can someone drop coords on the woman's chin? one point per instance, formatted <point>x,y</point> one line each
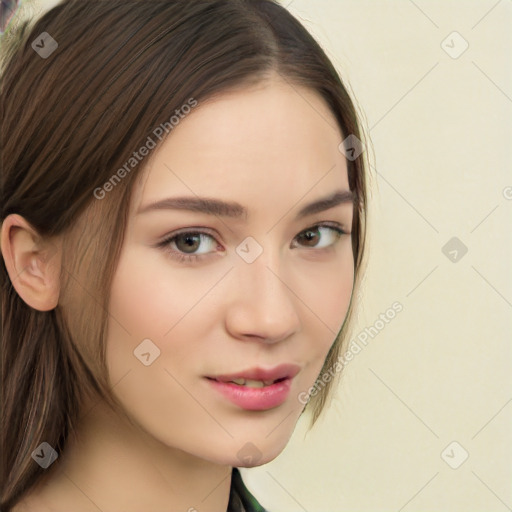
<point>252,455</point>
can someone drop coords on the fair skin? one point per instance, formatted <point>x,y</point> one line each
<point>273,149</point>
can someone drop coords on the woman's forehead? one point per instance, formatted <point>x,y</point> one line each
<point>264,138</point>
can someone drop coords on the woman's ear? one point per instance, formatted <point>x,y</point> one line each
<point>33,263</point>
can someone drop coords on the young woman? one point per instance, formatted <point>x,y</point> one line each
<point>183,211</point>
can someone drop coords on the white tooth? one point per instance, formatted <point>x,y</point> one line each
<point>254,383</point>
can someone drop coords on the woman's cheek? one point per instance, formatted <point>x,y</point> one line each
<point>144,299</point>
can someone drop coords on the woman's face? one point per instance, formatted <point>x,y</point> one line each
<point>257,290</point>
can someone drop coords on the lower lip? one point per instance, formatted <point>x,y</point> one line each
<point>254,399</point>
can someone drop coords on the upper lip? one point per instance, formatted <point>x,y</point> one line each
<point>283,371</point>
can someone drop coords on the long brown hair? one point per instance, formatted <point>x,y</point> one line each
<point>68,122</point>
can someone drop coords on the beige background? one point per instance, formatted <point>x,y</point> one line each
<point>439,372</point>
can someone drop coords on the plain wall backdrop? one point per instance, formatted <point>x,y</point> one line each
<point>423,414</point>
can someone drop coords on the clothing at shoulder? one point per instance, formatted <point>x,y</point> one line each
<point>240,499</point>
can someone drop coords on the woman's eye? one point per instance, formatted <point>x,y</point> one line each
<point>312,236</point>
<point>183,246</point>
<point>194,245</point>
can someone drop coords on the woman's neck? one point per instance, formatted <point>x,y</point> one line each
<point>111,466</point>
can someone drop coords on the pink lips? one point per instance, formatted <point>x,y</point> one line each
<point>282,371</point>
<point>257,399</point>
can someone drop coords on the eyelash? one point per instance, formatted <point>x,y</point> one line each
<point>191,258</point>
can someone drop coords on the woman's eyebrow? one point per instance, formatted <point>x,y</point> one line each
<point>233,209</point>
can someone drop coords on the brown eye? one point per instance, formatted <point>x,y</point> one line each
<point>310,237</point>
<point>187,242</point>
<point>314,236</point>
<point>187,245</point>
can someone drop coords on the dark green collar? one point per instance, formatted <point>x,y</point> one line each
<point>240,499</point>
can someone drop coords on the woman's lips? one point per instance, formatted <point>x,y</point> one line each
<point>267,375</point>
<point>254,398</point>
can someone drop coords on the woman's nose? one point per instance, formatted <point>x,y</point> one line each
<point>261,304</point>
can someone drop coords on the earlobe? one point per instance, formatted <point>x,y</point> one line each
<point>33,263</point>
